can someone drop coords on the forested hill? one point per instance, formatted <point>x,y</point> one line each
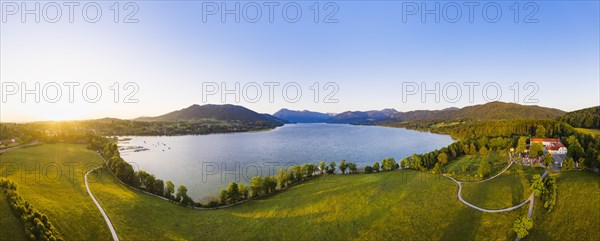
<point>214,112</point>
<point>585,118</point>
<point>489,111</point>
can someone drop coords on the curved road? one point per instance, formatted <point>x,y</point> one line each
<point>110,226</point>
<point>530,199</point>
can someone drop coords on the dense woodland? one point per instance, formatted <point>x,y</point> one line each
<point>586,147</point>
<point>586,118</point>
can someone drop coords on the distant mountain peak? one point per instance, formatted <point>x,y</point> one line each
<point>225,112</point>
<point>304,116</point>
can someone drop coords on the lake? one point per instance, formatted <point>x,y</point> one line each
<point>205,164</point>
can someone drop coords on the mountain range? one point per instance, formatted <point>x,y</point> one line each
<point>489,111</point>
<point>304,116</point>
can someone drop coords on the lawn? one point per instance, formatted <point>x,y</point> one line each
<point>11,227</point>
<point>465,168</point>
<point>50,176</point>
<point>507,190</point>
<point>577,212</point>
<point>593,132</point>
<point>404,205</point>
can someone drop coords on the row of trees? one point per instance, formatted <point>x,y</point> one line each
<point>141,179</point>
<point>545,189</point>
<point>387,164</point>
<point>37,225</point>
<point>437,159</point>
<point>235,192</point>
<point>285,177</point>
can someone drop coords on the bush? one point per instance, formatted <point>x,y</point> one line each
<point>37,225</point>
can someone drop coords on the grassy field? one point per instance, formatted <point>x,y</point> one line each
<point>10,226</point>
<point>465,168</point>
<point>577,212</point>
<point>593,132</point>
<point>404,205</point>
<point>507,190</point>
<point>50,176</point>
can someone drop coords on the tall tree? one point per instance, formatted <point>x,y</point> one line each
<point>282,177</point>
<point>568,164</point>
<point>574,149</point>
<point>233,192</point>
<point>256,186</point>
<point>376,166</point>
<point>442,158</point>
<point>536,149</point>
<point>537,185</point>
<point>182,196</point>
<point>548,160</point>
<point>330,168</point>
<point>169,190</point>
<point>343,166</point>
<point>522,226</point>
<point>521,145</point>
<point>352,167</point>
<point>540,131</point>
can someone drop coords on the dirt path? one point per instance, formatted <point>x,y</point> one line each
<point>530,199</point>
<point>108,222</point>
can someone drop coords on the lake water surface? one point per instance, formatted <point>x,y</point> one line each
<point>205,164</point>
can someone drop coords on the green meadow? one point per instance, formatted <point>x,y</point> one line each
<point>465,167</point>
<point>576,215</point>
<point>50,176</point>
<point>509,189</point>
<point>385,206</point>
<point>405,205</point>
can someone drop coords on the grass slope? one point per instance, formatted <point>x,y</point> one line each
<point>401,205</point>
<point>10,226</point>
<point>577,212</point>
<point>465,168</point>
<point>507,190</point>
<point>50,176</point>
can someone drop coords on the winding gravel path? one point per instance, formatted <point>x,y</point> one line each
<point>530,199</point>
<point>108,222</point>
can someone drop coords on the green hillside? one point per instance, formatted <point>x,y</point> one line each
<point>215,112</point>
<point>50,177</point>
<point>490,111</point>
<point>584,118</point>
<point>406,205</point>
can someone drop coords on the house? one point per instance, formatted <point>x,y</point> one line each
<point>551,145</point>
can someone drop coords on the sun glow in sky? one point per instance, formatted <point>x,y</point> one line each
<point>365,60</point>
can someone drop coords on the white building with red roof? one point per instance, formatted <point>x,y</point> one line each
<point>552,145</point>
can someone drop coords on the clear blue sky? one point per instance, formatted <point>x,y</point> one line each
<point>369,54</point>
